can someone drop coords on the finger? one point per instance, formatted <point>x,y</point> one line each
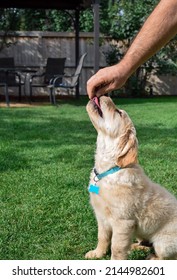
<point>93,85</point>
<point>91,91</point>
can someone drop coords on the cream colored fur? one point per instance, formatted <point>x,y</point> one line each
<point>129,203</point>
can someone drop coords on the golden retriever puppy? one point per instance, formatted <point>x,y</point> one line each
<point>125,201</point>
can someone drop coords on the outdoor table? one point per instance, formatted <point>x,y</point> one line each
<point>19,70</point>
<point>27,71</point>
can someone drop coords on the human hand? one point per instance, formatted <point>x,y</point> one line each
<point>106,80</point>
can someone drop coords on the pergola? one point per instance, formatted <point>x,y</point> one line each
<point>77,6</point>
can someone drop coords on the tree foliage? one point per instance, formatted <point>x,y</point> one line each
<point>128,16</point>
<point>8,24</point>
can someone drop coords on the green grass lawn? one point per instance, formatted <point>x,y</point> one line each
<point>46,155</point>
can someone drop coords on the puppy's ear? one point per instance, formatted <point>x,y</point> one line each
<point>128,147</point>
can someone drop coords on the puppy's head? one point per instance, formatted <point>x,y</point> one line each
<point>116,126</point>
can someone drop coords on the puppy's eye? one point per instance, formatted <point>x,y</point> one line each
<point>119,112</point>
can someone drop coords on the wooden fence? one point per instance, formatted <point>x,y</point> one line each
<point>31,49</point>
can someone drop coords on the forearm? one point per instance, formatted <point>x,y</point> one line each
<point>158,29</point>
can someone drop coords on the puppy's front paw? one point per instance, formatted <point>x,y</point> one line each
<point>138,246</point>
<point>94,254</point>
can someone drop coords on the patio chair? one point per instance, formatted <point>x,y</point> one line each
<point>54,67</point>
<point>9,76</point>
<point>69,82</point>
